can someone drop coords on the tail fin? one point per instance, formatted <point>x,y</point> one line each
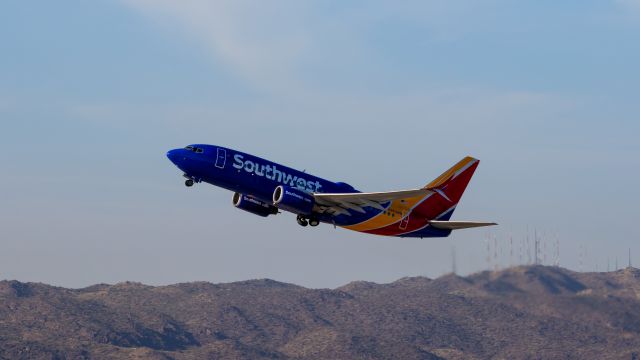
<point>449,186</point>
<point>446,176</point>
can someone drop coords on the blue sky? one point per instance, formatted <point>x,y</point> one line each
<point>383,95</point>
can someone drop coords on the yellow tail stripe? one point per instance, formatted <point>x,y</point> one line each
<point>382,220</point>
<point>449,173</point>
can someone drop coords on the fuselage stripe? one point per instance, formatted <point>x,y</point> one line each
<point>382,220</point>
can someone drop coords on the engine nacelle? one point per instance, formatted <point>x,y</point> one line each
<point>253,205</point>
<point>293,199</point>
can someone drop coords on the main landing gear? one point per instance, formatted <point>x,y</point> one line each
<point>303,221</point>
<point>188,183</point>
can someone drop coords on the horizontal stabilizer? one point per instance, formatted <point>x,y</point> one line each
<point>457,225</point>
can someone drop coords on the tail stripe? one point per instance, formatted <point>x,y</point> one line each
<point>427,224</point>
<point>382,220</point>
<point>454,171</point>
<point>406,206</point>
<point>431,206</point>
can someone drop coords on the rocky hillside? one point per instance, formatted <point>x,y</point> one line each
<point>520,313</point>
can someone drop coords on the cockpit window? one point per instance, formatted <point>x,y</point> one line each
<point>194,149</point>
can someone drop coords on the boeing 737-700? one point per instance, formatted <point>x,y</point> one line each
<point>262,187</point>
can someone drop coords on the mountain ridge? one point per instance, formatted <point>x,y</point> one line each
<point>521,312</point>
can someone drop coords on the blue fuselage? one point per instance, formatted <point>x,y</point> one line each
<point>248,174</point>
<point>257,178</point>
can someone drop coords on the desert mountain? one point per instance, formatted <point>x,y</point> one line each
<point>532,312</point>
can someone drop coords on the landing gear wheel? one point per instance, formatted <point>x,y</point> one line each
<point>188,183</point>
<point>314,222</point>
<point>302,221</point>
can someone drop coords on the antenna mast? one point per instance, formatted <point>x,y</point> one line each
<point>511,250</point>
<point>488,258</point>
<point>535,247</point>
<point>453,259</point>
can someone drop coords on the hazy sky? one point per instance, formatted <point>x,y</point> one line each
<point>383,95</point>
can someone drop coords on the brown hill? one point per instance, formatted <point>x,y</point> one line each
<point>520,313</point>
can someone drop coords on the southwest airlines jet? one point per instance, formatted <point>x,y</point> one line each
<point>262,187</point>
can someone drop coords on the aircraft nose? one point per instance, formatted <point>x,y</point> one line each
<point>173,155</point>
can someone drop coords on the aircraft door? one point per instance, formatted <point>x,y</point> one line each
<point>405,221</point>
<point>221,158</point>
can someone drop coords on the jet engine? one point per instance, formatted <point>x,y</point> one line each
<point>253,205</point>
<point>293,199</point>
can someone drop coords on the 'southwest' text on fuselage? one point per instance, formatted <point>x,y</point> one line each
<point>272,173</point>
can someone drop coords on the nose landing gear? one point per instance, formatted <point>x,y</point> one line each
<point>303,221</point>
<point>190,180</point>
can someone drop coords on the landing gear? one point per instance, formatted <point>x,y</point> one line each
<point>302,221</point>
<point>190,180</point>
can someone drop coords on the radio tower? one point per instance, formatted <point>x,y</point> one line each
<point>580,258</point>
<point>488,258</point>
<point>453,259</point>
<point>536,247</point>
<point>510,250</point>
<point>496,266</point>
<point>501,254</point>
<point>529,255</point>
<point>520,252</point>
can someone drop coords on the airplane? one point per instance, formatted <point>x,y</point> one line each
<point>264,188</point>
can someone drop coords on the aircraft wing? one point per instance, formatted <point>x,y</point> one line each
<point>457,225</point>
<point>341,203</point>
